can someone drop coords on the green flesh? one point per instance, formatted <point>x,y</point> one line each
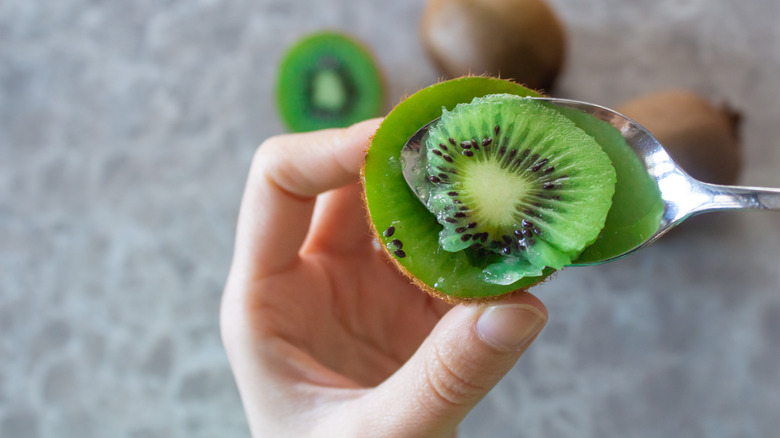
<point>462,274</point>
<point>637,207</point>
<point>329,92</point>
<point>503,164</point>
<point>328,80</point>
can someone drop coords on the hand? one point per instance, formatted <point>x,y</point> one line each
<point>324,336</point>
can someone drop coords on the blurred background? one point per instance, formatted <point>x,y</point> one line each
<point>126,132</point>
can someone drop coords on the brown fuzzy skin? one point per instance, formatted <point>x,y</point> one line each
<point>518,39</point>
<point>702,138</point>
<point>423,286</point>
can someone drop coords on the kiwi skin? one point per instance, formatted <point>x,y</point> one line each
<point>701,137</point>
<point>522,40</point>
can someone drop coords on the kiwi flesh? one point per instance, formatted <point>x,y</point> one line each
<point>522,40</point>
<point>700,136</point>
<point>637,206</point>
<point>514,178</point>
<point>328,80</point>
<point>410,233</point>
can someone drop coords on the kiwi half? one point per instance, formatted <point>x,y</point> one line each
<point>407,230</point>
<point>411,234</point>
<point>328,80</point>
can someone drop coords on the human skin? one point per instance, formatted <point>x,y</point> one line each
<point>325,337</point>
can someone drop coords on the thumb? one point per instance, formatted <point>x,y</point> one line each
<point>467,353</point>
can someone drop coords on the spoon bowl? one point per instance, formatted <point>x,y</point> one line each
<point>682,195</point>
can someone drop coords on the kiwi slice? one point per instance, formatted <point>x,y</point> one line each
<point>328,80</point>
<point>516,178</point>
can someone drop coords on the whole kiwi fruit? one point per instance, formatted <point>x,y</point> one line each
<point>521,40</point>
<point>702,137</point>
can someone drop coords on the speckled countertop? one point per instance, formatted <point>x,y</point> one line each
<point>126,131</point>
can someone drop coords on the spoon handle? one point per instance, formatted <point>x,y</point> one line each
<point>739,198</point>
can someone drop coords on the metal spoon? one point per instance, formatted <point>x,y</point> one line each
<point>682,195</point>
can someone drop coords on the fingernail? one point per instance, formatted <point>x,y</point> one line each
<point>510,326</point>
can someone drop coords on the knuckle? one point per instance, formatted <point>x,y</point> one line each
<point>229,330</point>
<point>274,163</point>
<point>266,151</point>
<point>232,320</point>
<point>271,143</point>
<point>447,383</point>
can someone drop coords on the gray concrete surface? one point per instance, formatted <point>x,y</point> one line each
<point>126,130</point>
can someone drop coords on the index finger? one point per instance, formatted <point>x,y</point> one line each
<point>287,174</point>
